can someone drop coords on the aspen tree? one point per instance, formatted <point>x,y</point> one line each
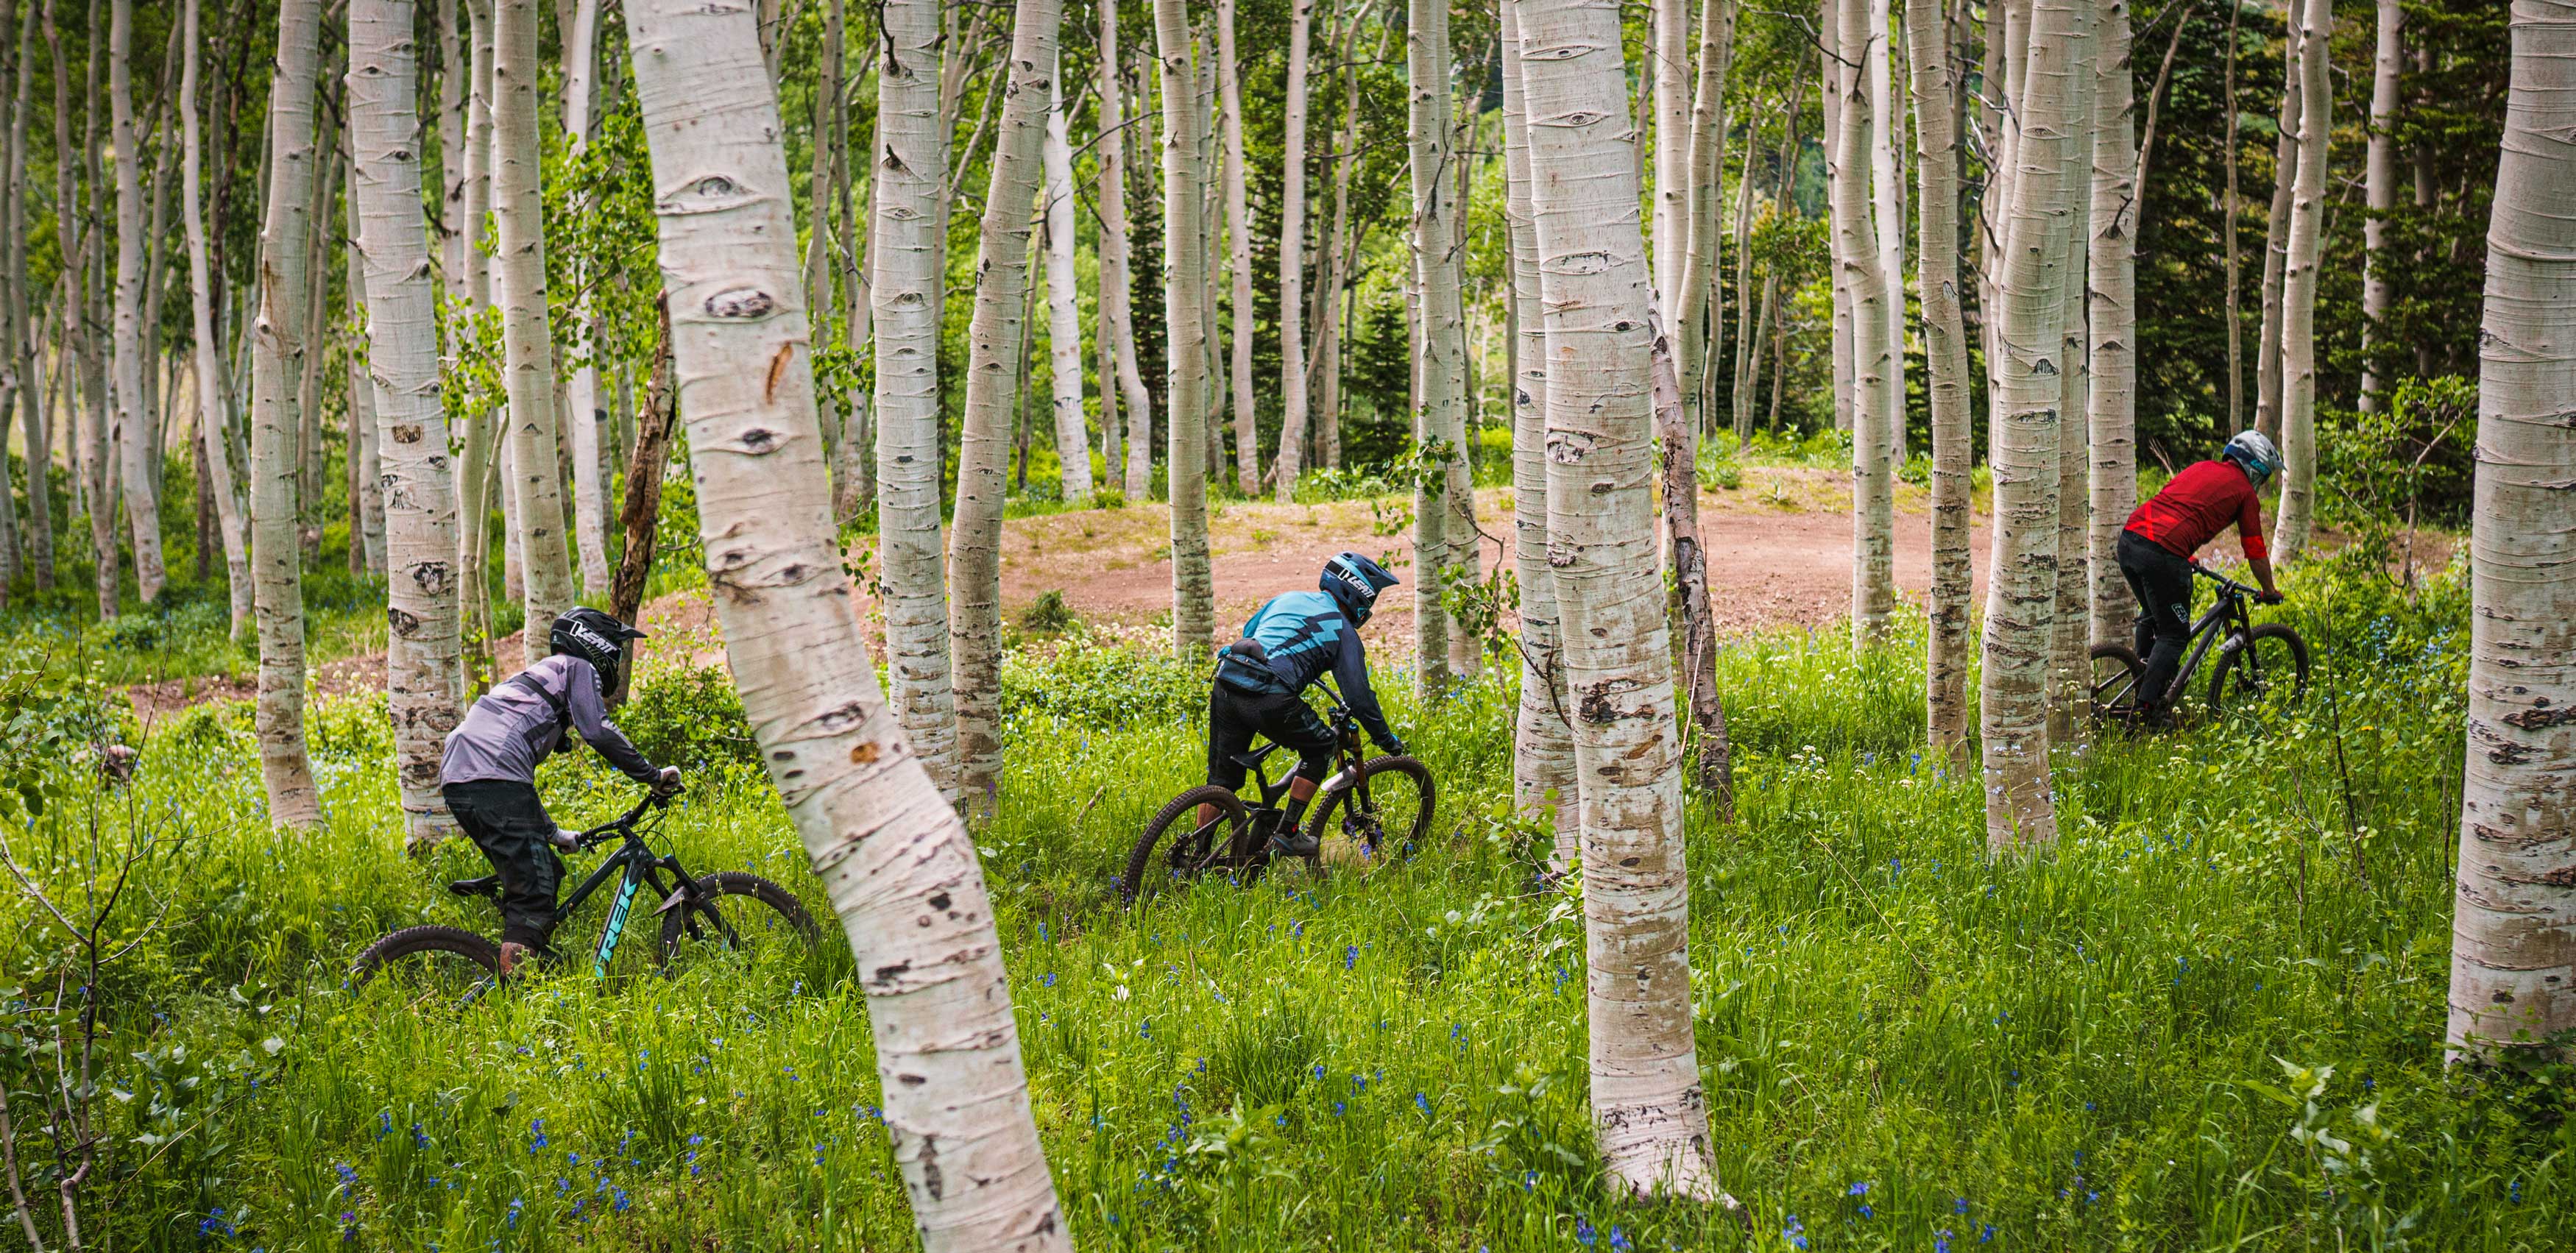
<point>203,359</point>
<point>2276,234</point>
<point>581,395</point>
<point>2379,187</point>
<point>1886,174</point>
<point>895,860</point>
<point>1668,26</point>
<point>1945,359</point>
<point>2111,295</point>
<point>528,356</point>
<point>1290,461</point>
<point>1185,291</point>
<point>2069,663</point>
<point>1440,418</point>
<point>136,448</point>
<point>1116,278</point>
<point>1238,236</point>
<point>1697,275</point>
<point>1064,312</point>
<point>2299,286</point>
<point>1857,259</point>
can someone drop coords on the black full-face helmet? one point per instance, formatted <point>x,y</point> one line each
<point>594,637</point>
<point>1353,581</point>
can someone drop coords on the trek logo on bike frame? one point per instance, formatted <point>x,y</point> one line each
<point>616,927</point>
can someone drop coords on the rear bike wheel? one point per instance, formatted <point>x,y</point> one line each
<point>426,966</point>
<point>2261,675</point>
<point>1177,848</point>
<point>1383,815</point>
<point>739,912</point>
<point>2117,678</point>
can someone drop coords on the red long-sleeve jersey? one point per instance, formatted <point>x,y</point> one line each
<point>2197,504</point>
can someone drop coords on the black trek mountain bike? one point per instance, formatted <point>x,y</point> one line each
<point>729,908</point>
<point>2260,669</point>
<point>1369,810</point>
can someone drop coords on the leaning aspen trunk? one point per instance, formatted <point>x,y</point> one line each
<point>1647,1105</point>
<point>2111,300</point>
<point>2299,287</point>
<point>136,448</point>
<point>2513,976</point>
<point>1542,743</point>
<point>2021,593</point>
<point>910,165</point>
<point>1440,419</point>
<point>2276,237</point>
<point>895,860</point>
<point>2379,184</point>
<point>1064,307</point>
<point>211,420</point>
<point>1857,260</point>
<point>423,678</point>
<point>1945,359</point>
<point>1238,237</point>
<point>581,415</point>
<point>2069,666</point>
<point>528,356</point>
<point>1185,291</point>
<point>1290,461</point>
<point>277,352</point>
<point>1713,759</point>
<point>992,394</point>
<point>1116,300</point>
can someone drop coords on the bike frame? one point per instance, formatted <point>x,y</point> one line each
<point>640,867</point>
<point>1345,751</point>
<point>2229,610</point>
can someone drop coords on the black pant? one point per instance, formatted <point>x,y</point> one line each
<point>2162,582</point>
<point>509,823</point>
<point>1234,716</point>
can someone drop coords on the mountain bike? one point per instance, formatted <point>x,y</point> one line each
<point>2260,669</point>
<point>1369,810</point>
<point>728,909</point>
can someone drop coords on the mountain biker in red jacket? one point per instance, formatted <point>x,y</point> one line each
<point>2157,546</point>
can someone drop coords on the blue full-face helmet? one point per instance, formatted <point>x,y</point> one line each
<point>1353,581</point>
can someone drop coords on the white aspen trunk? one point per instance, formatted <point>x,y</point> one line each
<point>2021,593</point>
<point>1838,79</point>
<point>854,484</point>
<point>528,357</point>
<point>1290,460</point>
<point>2513,975</point>
<point>211,420</point>
<point>2111,300</point>
<point>424,680</point>
<point>1647,1104</point>
<point>1858,260</point>
<point>1887,215</point>
<point>366,502</point>
<point>1441,348</point>
<point>474,465</point>
<point>1238,236</point>
<point>2276,235</point>
<point>2069,668</point>
<point>1116,297</point>
<point>910,166</point>
<point>19,352</point>
<point>1739,399</point>
<point>1064,307</point>
<point>2299,288</point>
<point>582,412</point>
<point>898,865</point>
<point>135,446</point>
<point>1945,360</point>
<point>2379,187</point>
<point>455,79</point>
<point>1669,26</point>
<point>277,352</point>
<point>1185,291</point>
<point>992,395</point>
<point>1542,742</point>
<point>1697,276</point>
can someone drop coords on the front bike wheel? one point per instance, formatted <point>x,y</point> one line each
<point>2117,676</point>
<point>1177,848</point>
<point>2261,675</point>
<point>1382,815</point>
<point>429,966</point>
<point>739,912</point>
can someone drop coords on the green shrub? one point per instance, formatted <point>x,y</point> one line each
<point>690,717</point>
<point>1103,685</point>
<point>1048,615</point>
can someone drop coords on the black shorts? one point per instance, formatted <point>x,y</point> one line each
<point>509,823</point>
<point>1235,716</point>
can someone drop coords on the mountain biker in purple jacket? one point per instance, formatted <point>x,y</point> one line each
<point>489,771</point>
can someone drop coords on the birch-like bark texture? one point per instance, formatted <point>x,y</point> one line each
<point>2379,186</point>
<point>581,394</point>
<point>1837,84</point>
<point>1668,24</point>
<point>423,680</point>
<point>910,165</point>
<point>2069,665</point>
<point>1116,279</point>
<point>1707,167</point>
<point>2276,235</point>
<point>1238,243</point>
<point>136,449</point>
<point>84,388</point>
<point>1945,360</point>
<point>38,537</point>
<point>1712,765</point>
<point>895,859</point>
<point>277,352</point>
<point>203,359</point>
<point>1185,292</point>
<point>2299,287</point>
<point>366,496</point>
<point>1064,306</point>
<point>527,342</point>
<point>992,395</point>
<point>1291,458</point>
<point>1886,208</point>
<point>1857,260</point>
<point>2513,973</point>
<point>1440,353</point>
<point>1647,1105</point>
<point>2021,590</point>
<point>474,464</point>
<point>1542,743</point>
<point>2111,300</point>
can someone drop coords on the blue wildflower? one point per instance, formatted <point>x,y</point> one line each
<point>1583,1232</point>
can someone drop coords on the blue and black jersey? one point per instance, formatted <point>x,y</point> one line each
<point>1304,635</point>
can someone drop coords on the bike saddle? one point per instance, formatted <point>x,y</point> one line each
<point>1251,759</point>
<point>488,885</point>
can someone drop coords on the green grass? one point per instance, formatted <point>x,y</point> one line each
<point>1900,1036</point>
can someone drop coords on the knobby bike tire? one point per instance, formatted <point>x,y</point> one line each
<point>1326,821</point>
<point>731,889</point>
<point>2219,702</point>
<point>1141,870</point>
<point>393,952</point>
<point>2114,696</point>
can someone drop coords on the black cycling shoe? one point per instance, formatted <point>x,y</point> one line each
<point>1294,844</point>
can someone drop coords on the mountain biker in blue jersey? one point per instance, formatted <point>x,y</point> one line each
<point>1260,680</point>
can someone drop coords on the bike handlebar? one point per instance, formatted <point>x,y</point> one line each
<point>2224,581</point>
<point>654,798</point>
